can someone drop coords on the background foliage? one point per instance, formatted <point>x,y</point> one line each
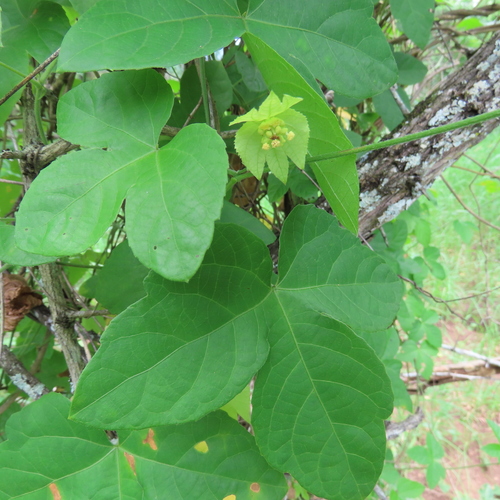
<point>157,250</point>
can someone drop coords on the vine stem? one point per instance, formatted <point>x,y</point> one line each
<point>32,75</point>
<point>200,66</point>
<point>474,120</point>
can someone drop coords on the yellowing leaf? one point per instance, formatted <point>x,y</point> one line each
<point>202,447</point>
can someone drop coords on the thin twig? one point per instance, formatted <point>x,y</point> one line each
<point>195,109</point>
<point>303,171</point>
<point>170,131</point>
<point>477,216</point>
<point>32,75</point>
<point>401,105</point>
<point>471,296</point>
<point>87,314</point>
<point>479,164</point>
<point>463,376</point>
<point>83,266</point>
<point>380,493</point>
<point>7,181</point>
<point>435,299</point>
<point>486,173</point>
<point>472,354</point>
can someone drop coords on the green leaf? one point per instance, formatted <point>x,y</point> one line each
<point>337,178</point>
<point>190,93</point>
<point>275,188</point>
<point>495,428</point>
<point>185,349</point>
<point>135,35</point>
<point>10,253</point>
<point>174,193</point>
<point>416,19</point>
<point>465,230</point>
<point>492,449</point>
<point>83,5</point>
<point>433,335</point>
<point>45,453</point>
<point>250,72</point>
<point>232,214</point>
<point>172,207</point>
<point>312,407</point>
<point>30,27</point>
<point>331,272</point>
<point>129,34</point>
<point>108,285</point>
<point>388,109</point>
<point>411,70</point>
<point>239,405</point>
<point>401,397</point>
<point>420,454</point>
<point>301,185</point>
<point>435,472</point>
<point>33,26</point>
<point>407,488</point>
<point>319,403</point>
<point>423,232</point>
<point>317,38</point>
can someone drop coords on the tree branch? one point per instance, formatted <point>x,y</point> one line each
<point>62,325</point>
<point>394,429</point>
<point>472,354</point>
<point>87,314</point>
<point>391,180</point>
<point>20,376</point>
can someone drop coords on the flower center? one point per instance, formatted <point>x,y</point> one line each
<point>274,133</point>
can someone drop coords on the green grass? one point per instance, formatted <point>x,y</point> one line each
<point>456,413</point>
<point>473,267</point>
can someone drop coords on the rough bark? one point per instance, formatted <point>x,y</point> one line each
<point>392,179</point>
<point>20,376</point>
<point>63,326</point>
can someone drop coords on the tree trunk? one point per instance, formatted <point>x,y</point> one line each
<point>392,179</point>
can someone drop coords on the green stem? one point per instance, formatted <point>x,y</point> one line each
<point>17,72</point>
<point>407,138</point>
<point>234,180</point>
<point>38,113</point>
<point>200,66</point>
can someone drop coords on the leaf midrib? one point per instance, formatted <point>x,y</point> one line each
<point>173,352</point>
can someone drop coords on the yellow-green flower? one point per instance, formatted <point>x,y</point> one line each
<point>272,134</point>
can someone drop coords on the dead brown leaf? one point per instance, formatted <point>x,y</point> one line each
<point>18,300</point>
